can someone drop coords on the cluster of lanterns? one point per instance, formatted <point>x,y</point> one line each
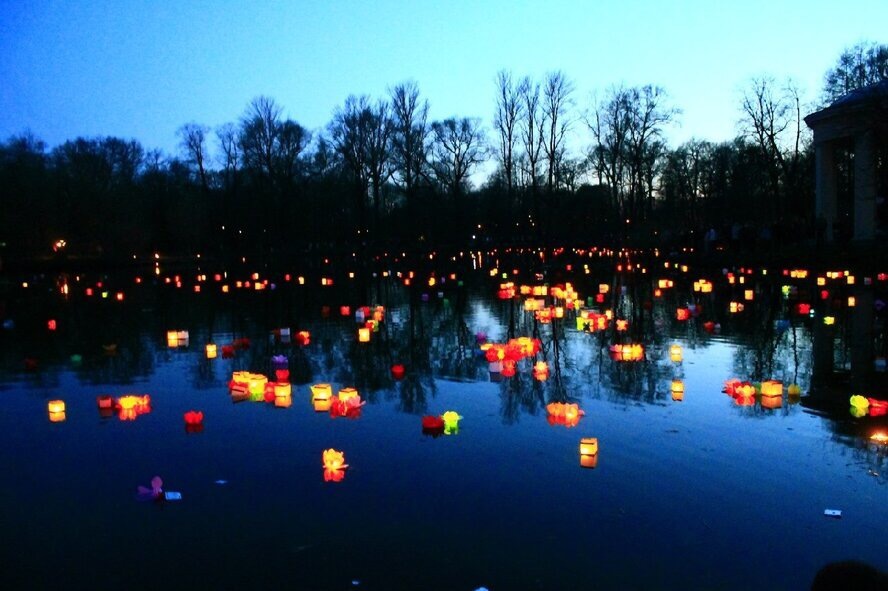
<point>370,319</point>
<point>769,391</point>
<point>503,358</point>
<point>445,424</point>
<point>862,406</point>
<point>566,414</point>
<point>630,352</point>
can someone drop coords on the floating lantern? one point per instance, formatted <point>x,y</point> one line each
<point>588,446</point>
<point>56,406</point>
<point>858,401</point>
<point>321,392</point>
<point>57,417</point>
<point>227,351</point>
<point>748,295</point>
<point>451,422</point>
<point>678,390</point>
<point>829,320</point>
<point>682,314</point>
<point>364,335</point>
<point>622,325</point>
<point>771,388</point>
<point>398,371</point>
<point>303,338</point>
<point>105,402</point>
<point>879,437</point>
<point>877,408</point>
<point>194,417</point>
<point>211,351</point>
<point>675,353</point>
<point>709,326</point>
<point>333,459</point>
<point>432,425</point>
<point>282,375</point>
<point>735,307</point>
<point>283,401</point>
<point>564,414</point>
<point>257,384</point>
<point>282,390</point>
<point>51,324</point>
<point>794,390</point>
<point>348,394</point>
<point>627,352</point>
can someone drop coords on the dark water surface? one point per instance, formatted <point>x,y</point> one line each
<point>695,494</point>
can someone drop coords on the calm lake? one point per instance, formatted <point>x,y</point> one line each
<point>692,490</point>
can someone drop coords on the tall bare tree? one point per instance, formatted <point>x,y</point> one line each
<point>260,126</point>
<point>410,130</point>
<point>531,131</point>
<point>193,140</point>
<point>556,103</point>
<point>506,120</point>
<point>458,147</point>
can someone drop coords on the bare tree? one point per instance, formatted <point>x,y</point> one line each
<point>458,147</point>
<point>556,102</point>
<point>193,140</point>
<point>861,65</point>
<point>260,126</point>
<point>361,132</point>
<point>410,131</point>
<point>506,119</point>
<point>531,136</point>
<point>230,154</point>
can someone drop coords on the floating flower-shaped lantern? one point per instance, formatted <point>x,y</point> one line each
<point>303,338</point>
<point>334,465</point>
<point>541,371</point>
<point>194,417</point>
<point>451,422</point>
<point>131,406</point>
<point>858,401</point>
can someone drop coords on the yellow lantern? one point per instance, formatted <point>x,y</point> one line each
<point>211,351</point>
<point>283,401</point>
<point>748,295</point>
<point>55,406</point>
<point>588,446</point>
<point>794,390</point>
<point>771,388</point>
<point>257,384</point>
<point>57,417</point>
<point>675,353</point>
<point>321,392</point>
<point>347,394</point>
<point>282,390</point>
<point>172,339</point>
<point>678,390</point>
<point>364,335</point>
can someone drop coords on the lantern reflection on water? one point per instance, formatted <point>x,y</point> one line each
<point>675,353</point>
<point>627,352</point>
<point>678,390</point>
<point>564,414</point>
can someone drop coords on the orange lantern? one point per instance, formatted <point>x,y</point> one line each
<point>321,392</point>
<point>588,446</point>
<point>56,406</point>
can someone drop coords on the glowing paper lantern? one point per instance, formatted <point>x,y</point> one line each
<point>283,401</point>
<point>675,353</point>
<point>322,405</point>
<point>451,422</point>
<point>348,394</point>
<point>858,401</point>
<point>772,402</point>
<point>432,425</point>
<point>794,390</point>
<point>678,390</point>
<point>588,446</point>
<point>364,335</point>
<point>398,371</point>
<point>257,384</point>
<point>211,351</point>
<point>321,392</point>
<point>772,388</point>
<point>303,338</point>
<point>194,417</point>
<point>51,324</point>
<point>877,408</point>
<point>682,314</point>
<point>105,402</point>
<point>56,406</point>
<point>282,390</point>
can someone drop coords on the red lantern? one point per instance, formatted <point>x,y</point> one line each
<point>227,351</point>
<point>682,314</point>
<point>303,338</point>
<point>398,371</point>
<point>51,324</point>
<point>194,417</point>
<point>282,375</point>
<point>105,401</point>
<point>804,309</point>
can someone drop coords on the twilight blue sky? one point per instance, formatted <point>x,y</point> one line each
<point>141,69</point>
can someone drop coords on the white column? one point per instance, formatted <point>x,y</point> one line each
<point>864,187</point>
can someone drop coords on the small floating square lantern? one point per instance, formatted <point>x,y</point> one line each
<point>678,390</point>
<point>347,394</point>
<point>211,351</point>
<point>105,401</point>
<point>55,406</point>
<point>675,353</point>
<point>772,402</point>
<point>282,390</point>
<point>772,388</point>
<point>57,417</point>
<point>398,371</point>
<point>321,392</point>
<point>590,462</point>
<point>283,401</point>
<point>682,314</point>
<point>257,384</point>
<point>588,446</point>
<point>364,335</point>
<point>172,339</point>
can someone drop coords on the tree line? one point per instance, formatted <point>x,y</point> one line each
<point>383,176</point>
